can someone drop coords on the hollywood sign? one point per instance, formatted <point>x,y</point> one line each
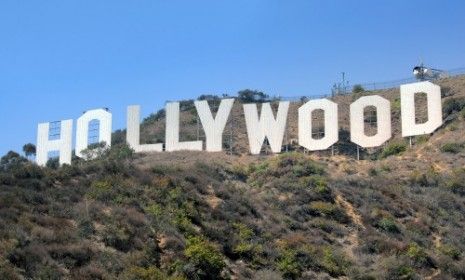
<point>259,126</point>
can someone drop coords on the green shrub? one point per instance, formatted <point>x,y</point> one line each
<point>8,271</point>
<point>86,228</point>
<point>372,172</point>
<point>155,210</point>
<point>403,271</point>
<point>289,265</point>
<point>388,224</point>
<point>288,166</point>
<point>452,148</point>
<point>72,255</point>
<point>49,272</point>
<point>386,168</point>
<point>326,209</point>
<point>328,226</point>
<point>120,152</point>
<point>334,262</point>
<point>457,182</point>
<point>205,257</point>
<point>246,247</point>
<point>241,171</point>
<point>183,222</point>
<point>452,127</point>
<point>417,254</point>
<point>377,244</point>
<point>318,183</point>
<point>299,164</point>
<point>321,186</point>
<point>396,104</point>
<point>393,149</point>
<point>462,113</point>
<point>29,171</point>
<point>452,105</point>
<point>451,251</point>
<point>398,267</point>
<point>428,178</point>
<point>117,237</point>
<point>307,168</point>
<point>421,139</point>
<point>100,190</point>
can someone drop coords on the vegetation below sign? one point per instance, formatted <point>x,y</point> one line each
<point>395,214</point>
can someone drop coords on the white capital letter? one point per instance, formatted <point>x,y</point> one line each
<point>267,126</point>
<point>133,132</point>
<point>357,121</point>
<point>214,127</point>
<point>82,132</point>
<point>407,98</point>
<point>172,131</point>
<point>305,124</point>
<point>63,145</point>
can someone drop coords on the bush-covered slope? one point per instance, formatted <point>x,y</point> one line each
<point>288,216</point>
<point>398,214</point>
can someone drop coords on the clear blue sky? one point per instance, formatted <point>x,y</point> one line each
<point>59,58</point>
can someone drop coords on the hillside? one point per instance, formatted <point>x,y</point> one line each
<point>398,213</point>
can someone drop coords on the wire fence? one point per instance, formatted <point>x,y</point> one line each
<point>342,90</point>
<point>369,86</point>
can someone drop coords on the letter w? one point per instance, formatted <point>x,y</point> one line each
<point>267,126</point>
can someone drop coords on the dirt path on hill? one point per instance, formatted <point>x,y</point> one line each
<point>352,239</point>
<point>350,210</point>
<point>437,243</point>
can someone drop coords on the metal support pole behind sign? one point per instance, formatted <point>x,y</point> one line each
<point>287,142</point>
<point>198,128</point>
<point>231,137</point>
<point>358,152</point>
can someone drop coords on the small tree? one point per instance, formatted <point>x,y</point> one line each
<point>249,96</point>
<point>358,89</point>
<point>10,160</point>
<point>29,150</point>
<point>95,150</point>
